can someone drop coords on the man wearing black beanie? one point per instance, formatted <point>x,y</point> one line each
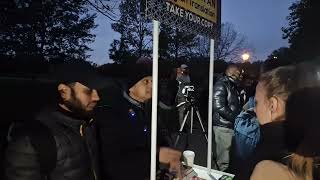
<point>125,130</point>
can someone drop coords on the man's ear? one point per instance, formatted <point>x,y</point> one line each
<point>64,91</point>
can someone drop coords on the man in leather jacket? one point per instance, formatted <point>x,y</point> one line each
<point>226,106</point>
<point>71,128</point>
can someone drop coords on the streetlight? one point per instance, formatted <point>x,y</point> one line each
<point>245,57</point>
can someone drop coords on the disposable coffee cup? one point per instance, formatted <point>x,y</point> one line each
<point>188,157</point>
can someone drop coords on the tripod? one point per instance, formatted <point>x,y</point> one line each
<point>190,110</point>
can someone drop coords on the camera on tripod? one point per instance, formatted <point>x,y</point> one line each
<point>188,92</point>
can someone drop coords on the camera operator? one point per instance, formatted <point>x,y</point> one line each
<point>183,79</point>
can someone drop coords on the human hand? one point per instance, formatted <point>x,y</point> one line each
<point>171,157</point>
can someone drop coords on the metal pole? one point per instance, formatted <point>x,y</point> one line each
<point>154,100</point>
<point>211,74</point>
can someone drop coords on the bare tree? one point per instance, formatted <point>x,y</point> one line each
<point>105,7</point>
<point>203,47</point>
<point>229,43</point>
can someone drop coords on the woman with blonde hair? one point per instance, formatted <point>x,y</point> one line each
<point>301,131</point>
<point>272,92</point>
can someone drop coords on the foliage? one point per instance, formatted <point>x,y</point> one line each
<point>175,44</point>
<point>302,31</point>
<point>135,32</point>
<point>50,29</point>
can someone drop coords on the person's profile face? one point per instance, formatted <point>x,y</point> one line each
<point>234,73</point>
<point>261,104</point>
<point>78,97</point>
<point>142,90</point>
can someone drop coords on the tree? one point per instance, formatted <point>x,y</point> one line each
<point>279,57</point>
<point>135,32</point>
<point>104,7</point>
<point>165,40</point>
<point>229,43</point>
<point>281,54</point>
<point>51,29</point>
<point>175,44</point>
<point>302,33</point>
<point>182,44</point>
<point>120,52</point>
<point>203,47</point>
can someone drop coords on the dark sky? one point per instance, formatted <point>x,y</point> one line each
<point>259,20</point>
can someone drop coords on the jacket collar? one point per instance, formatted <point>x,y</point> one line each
<point>273,132</point>
<point>70,119</point>
<point>228,80</point>
<point>132,101</point>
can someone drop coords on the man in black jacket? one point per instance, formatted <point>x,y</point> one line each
<point>226,106</point>
<point>70,127</point>
<point>124,131</point>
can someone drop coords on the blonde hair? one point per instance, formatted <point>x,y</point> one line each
<point>303,167</point>
<point>279,81</point>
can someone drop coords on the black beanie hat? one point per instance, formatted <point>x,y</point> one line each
<point>137,74</point>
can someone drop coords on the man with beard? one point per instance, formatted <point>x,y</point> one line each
<point>226,107</point>
<point>59,143</point>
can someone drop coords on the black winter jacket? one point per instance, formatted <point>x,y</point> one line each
<point>76,151</point>
<point>124,136</point>
<point>272,146</point>
<point>226,104</point>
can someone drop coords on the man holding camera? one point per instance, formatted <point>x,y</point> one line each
<point>183,79</point>
<point>226,106</point>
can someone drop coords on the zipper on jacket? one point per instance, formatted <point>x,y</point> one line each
<point>82,135</point>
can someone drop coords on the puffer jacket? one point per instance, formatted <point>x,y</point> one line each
<point>226,103</point>
<point>76,150</point>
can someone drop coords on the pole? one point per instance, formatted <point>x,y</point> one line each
<point>211,74</point>
<point>154,100</point>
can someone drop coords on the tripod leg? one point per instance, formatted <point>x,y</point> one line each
<point>184,121</point>
<point>200,121</point>
<point>205,134</point>
<point>181,128</point>
<point>191,124</point>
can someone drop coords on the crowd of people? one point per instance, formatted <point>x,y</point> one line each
<point>275,139</point>
<point>102,130</point>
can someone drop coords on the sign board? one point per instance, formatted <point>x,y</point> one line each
<point>194,16</point>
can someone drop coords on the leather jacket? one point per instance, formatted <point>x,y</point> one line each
<point>226,102</point>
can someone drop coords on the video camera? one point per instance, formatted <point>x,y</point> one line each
<point>188,92</point>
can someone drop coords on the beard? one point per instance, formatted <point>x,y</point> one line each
<point>235,80</point>
<point>77,108</point>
